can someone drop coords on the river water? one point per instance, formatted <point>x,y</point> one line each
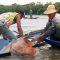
<point>46,52</point>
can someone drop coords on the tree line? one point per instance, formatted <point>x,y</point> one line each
<point>37,8</point>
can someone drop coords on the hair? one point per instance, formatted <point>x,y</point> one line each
<point>21,12</point>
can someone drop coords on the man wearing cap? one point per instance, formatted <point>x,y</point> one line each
<point>50,28</point>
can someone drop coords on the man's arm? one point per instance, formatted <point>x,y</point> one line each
<point>18,20</point>
<point>48,32</point>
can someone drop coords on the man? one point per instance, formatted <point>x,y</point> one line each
<point>50,28</point>
<point>6,19</point>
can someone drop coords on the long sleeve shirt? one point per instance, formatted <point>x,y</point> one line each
<point>50,28</point>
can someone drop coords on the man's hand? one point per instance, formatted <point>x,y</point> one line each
<point>40,37</point>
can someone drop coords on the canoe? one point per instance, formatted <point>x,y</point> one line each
<point>2,51</point>
<point>52,41</point>
<point>55,42</point>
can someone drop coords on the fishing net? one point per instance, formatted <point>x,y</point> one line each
<point>20,47</point>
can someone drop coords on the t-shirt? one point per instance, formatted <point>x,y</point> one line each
<point>8,17</point>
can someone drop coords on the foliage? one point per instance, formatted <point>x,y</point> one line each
<point>37,8</point>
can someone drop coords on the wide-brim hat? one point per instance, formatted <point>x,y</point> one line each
<point>50,9</point>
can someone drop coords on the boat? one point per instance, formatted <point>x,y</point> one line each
<point>3,43</point>
<point>50,40</point>
<point>53,41</point>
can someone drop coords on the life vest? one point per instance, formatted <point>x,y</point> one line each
<point>8,17</point>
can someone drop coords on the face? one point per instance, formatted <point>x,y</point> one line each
<point>51,16</point>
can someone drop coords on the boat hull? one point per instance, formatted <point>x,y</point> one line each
<point>52,41</point>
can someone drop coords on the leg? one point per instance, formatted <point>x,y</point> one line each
<point>6,32</point>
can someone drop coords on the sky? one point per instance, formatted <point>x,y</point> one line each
<point>22,2</point>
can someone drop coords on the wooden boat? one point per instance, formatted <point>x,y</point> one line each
<point>3,52</point>
<point>50,40</point>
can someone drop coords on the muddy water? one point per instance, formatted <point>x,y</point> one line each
<point>45,53</point>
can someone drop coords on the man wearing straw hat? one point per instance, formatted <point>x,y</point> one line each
<point>50,28</point>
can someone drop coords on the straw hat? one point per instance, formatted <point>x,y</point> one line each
<point>50,9</point>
